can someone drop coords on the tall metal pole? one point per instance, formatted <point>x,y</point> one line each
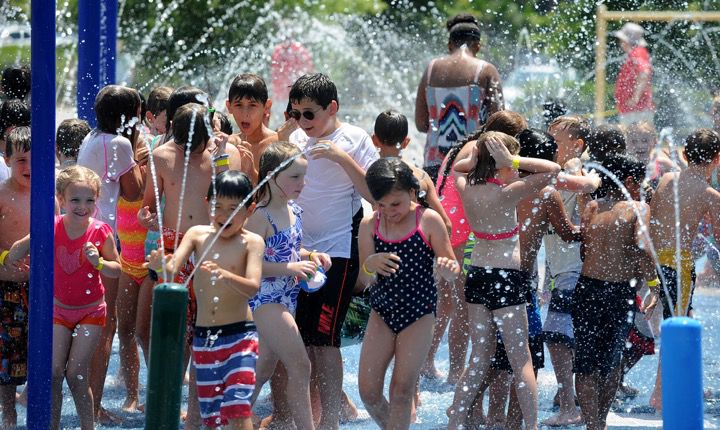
<point>88,74</point>
<point>600,56</point>
<point>42,208</point>
<point>108,41</point>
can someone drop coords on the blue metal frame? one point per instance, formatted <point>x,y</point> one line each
<point>88,71</point>
<point>108,41</point>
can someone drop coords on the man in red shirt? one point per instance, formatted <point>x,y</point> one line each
<point>633,88</point>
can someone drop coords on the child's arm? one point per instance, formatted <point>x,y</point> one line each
<point>585,184</point>
<point>543,171</point>
<point>434,228</point>
<point>249,284</point>
<point>172,263</point>
<point>560,220</point>
<point>327,149</point>
<point>366,247</point>
<point>147,215</point>
<point>433,201</point>
<point>17,251</point>
<point>422,118</point>
<point>104,260</point>
<point>319,258</point>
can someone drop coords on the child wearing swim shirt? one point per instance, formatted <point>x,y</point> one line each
<point>84,249</point>
<point>278,219</point>
<point>495,289</point>
<point>401,244</point>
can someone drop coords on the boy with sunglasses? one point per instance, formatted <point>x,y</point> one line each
<point>338,155</point>
<point>249,104</point>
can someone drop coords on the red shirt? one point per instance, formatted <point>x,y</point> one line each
<point>638,61</point>
<point>77,282</point>
<point>290,60</point>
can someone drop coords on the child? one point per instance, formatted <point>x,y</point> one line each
<point>399,243</point>
<point>248,104</point>
<point>616,259</point>
<point>108,151</point>
<point>278,220</point>
<point>13,113</point>
<point>14,224</point>
<point>156,115</point>
<point>490,189</point>
<point>225,346</point>
<point>69,137</point>
<point>15,83</point>
<point>696,198</point>
<point>335,180</point>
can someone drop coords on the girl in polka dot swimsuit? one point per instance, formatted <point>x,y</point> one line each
<point>277,219</point>
<point>397,246</point>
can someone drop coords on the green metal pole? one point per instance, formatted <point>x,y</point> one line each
<point>167,346</point>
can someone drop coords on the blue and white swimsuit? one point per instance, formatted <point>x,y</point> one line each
<point>282,247</point>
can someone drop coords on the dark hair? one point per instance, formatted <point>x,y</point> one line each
<point>158,99</point>
<point>248,85</point>
<point>16,82</point>
<point>18,140</point>
<point>182,123</point>
<point>621,166</point>
<point>388,174</point>
<point>115,106</point>
<point>504,121</point>
<point>702,146</point>
<point>537,144</point>
<point>225,125</point>
<point>605,140</point>
<point>463,28</point>
<point>270,159</point>
<point>391,127</point>
<point>13,113</point>
<point>182,96</point>
<point>232,184</point>
<point>485,167</point>
<point>316,87</point>
<point>70,135</point>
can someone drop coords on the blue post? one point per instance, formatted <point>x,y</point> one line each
<point>682,376</point>
<point>108,41</point>
<point>88,72</point>
<point>42,208</point>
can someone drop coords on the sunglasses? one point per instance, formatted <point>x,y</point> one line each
<point>307,114</point>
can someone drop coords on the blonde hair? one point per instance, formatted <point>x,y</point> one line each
<point>485,167</point>
<point>577,126</point>
<point>75,175</point>
<point>641,127</point>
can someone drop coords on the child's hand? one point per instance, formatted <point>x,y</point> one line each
<point>304,270</point>
<point>220,140</point>
<point>147,219</point>
<point>649,304</point>
<point>593,175</point>
<point>321,259</point>
<point>215,271</point>
<point>447,268</point>
<point>156,262</point>
<point>326,149</point>
<point>499,152</point>
<point>382,263</point>
<point>91,253</point>
<point>287,129</point>
<point>141,154</point>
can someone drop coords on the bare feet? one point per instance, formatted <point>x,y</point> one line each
<point>268,423</point>
<point>106,418</point>
<point>656,401</point>
<point>563,419</point>
<point>349,411</point>
<point>430,372</point>
<point>131,405</point>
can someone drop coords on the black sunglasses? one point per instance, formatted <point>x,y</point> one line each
<point>307,114</point>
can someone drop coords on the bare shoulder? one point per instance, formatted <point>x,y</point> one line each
<point>253,241</point>
<point>258,223</point>
<point>430,218</point>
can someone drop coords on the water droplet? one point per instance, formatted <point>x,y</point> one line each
<point>80,377</point>
<point>453,210</point>
<point>216,299</point>
<point>90,275</point>
<point>216,256</point>
<point>87,291</point>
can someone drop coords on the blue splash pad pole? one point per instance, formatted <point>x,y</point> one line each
<point>682,383</point>
<point>167,347</point>
<point>108,41</point>
<point>42,208</point>
<point>88,72</point>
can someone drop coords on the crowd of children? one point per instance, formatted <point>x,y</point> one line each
<point>161,188</point>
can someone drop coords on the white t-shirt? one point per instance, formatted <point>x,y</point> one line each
<point>4,170</point>
<point>561,256</point>
<point>110,156</point>
<point>329,200</point>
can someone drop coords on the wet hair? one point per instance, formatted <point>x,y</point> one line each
<point>273,156</point>
<point>248,85</point>
<point>391,127</point>
<point>485,167</point>
<point>70,135</point>
<point>504,121</point>
<point>621,166</point>
<point>74,175</point>
<point>182,96</point>
<point>316,87</point>
<point>232,184</point>
<point>537,144</point>
<point>13,113</point>
<point>16,82</point>
<point>158,100</point>
<point>577,126</point>
<point>605,140</point>
<point>182,123</point>
<point>463,28</point>
<point>390,174</point>
<point>225,125</point>
<point>115,106</point>
<point>702,146</point>
<point>18,140</point>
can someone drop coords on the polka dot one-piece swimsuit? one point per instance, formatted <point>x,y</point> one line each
<point>282,247</point>
<point>410,293</point>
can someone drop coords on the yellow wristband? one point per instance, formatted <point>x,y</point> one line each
<point>222,162</point>
<point>516,163</point>
<point>3,256</point>
<point>367,272</point>
<point>100,265</point>
<point>654,283</point>
<point>310,255</point>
